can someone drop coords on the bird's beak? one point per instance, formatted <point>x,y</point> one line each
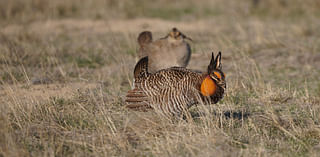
<point>185,37</point>
<point>189,39</point>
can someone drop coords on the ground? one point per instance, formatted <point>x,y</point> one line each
<point>65,68</point>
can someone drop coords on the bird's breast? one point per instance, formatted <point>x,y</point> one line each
<point>208,87</point>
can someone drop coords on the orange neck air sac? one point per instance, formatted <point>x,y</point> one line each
<point>208,87</point>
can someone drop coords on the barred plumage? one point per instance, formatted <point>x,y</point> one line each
<point>172,91</point>
<point>171,50</point>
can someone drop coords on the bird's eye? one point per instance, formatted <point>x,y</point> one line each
<point>217,74</point>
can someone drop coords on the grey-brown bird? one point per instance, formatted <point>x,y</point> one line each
<point>173,90</point>
<point>171,50</point>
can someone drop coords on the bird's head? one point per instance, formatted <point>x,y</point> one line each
<point>214,78</point>
<point>176,35</point>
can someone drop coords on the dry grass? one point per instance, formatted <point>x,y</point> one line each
<point>65,67</point>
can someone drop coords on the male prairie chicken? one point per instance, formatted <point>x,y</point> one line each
<point>171,50</point>
<point>172,91</point>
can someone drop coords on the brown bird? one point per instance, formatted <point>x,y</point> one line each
<point>173,90</point>
<point>171,50</point>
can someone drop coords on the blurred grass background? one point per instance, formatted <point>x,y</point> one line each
<point>65,67</point>
<point>30,10</point>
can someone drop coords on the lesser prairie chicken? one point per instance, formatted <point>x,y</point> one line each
<point>171,50</point>
<point>172,91</point>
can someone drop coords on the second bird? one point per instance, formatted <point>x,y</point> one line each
<point>171,50</point>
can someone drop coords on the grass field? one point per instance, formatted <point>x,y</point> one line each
<point>65,67</point>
